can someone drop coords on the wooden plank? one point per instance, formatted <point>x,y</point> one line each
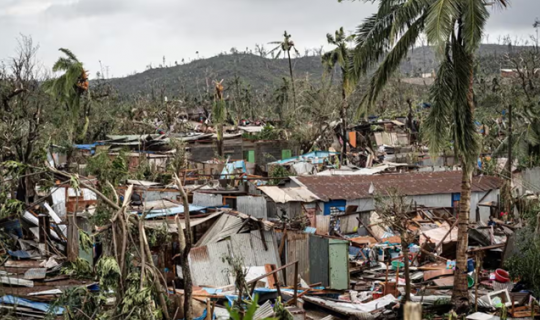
<point>437,273</point>
<point>270,279</point>
<point>495,246</point>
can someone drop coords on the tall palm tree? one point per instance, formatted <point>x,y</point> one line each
<point>219,115</point>
<point>70,87</point>
<point>285,47</point>
<point>341,56</point>
<point>455,28</point>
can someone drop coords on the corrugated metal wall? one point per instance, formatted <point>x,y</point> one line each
<point>159,195</point>
<point>363,204</point>
<point>432,200</point>
<point>318,260</point>
<point>297,249</point>
<point>207,266</point>
<point>254,206</point>
<point>207,263</point>
<point>207,199</point>
<point>530,180</point>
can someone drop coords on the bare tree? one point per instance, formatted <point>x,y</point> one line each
<point>21,112</point>
<point>398,215</point>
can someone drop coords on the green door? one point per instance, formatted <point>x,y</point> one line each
<point>286,154</point>
<point>249,156</point>
<point>339,264</point>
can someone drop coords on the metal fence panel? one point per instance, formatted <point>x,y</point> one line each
<point>254,206</point>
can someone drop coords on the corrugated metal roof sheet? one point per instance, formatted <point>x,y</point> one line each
<point>425,183</point>
<point>283,195</point>
<point>171,226</point>
<point>172,211</point>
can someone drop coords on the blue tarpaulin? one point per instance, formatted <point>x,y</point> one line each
<point>19,254</point>
<point>172,211</point>
<point>231,168</point>
<point>41,306</point>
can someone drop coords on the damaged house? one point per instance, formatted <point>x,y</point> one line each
<point>433,189</point>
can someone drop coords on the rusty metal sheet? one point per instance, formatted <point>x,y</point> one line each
<point>297,249</point>
<point>412,183</point>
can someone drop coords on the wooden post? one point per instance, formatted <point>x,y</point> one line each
<point>412,311</point>
<point>295,297</point>
<point>208,310</point>
<point>276,280</point>
<point>478,266</point>
<point>44,232</point>
<point>72,238</point>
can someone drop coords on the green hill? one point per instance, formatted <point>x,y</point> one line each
<point>263,73</point>
<point>194,77</point>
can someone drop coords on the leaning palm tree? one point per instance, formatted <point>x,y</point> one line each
<point>455,29</point>
<point>70,87</point>
<point>285,47</point>
<point>341,56</point>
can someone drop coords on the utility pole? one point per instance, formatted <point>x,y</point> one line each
<point>509,163</point>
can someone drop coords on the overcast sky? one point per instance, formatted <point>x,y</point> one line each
<point>127,35</point>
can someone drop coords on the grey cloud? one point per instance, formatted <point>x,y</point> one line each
<point>88,8</point>
<point>129,34</point>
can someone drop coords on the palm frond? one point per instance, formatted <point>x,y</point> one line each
<point>61,64</point>
<point>440,21</point>
<point>391,63</point>
<point>378,32</point>
<point>409,11</point>
<point>475,16</point>
<point>69,54</point>
<point>371,42</point>
<point>436,129</point>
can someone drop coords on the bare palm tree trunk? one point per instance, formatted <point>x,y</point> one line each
<point>292,79</point>
<point>344,125</point>
<point>460,295</point>
<point>185,247</point>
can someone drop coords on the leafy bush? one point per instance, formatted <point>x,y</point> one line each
<point>526,264</point>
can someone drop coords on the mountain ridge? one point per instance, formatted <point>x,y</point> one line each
<point>264,74</point>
